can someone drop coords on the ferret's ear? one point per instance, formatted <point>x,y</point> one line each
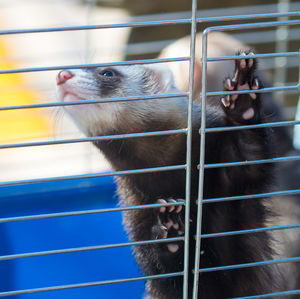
<point>159,79</point>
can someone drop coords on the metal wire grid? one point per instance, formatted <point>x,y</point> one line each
<point>202,165</point>
<point>203,131</point>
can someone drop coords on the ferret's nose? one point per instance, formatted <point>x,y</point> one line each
<point>63,76</point>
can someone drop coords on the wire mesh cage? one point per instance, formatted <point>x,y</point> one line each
<point>54,204</point>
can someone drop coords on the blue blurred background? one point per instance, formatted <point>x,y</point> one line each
<point>65,232</point>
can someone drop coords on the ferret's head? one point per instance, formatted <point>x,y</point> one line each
<point>114,82</point>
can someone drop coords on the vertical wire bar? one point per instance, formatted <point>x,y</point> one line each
<point>297,116</point>
<point>189,150</point>
<point>201,165</point>
<point>91,5</point>
<point>281,46</point>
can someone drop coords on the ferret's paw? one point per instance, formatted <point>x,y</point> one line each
<point>242,107</point>
<point>170,223</point>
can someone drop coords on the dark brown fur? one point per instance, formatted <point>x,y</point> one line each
<point>240,145</point>
<point>218,217</point>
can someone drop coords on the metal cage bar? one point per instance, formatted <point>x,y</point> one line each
<point>88,284</point>
<point>82,102</point>
<point>87,248</point>
<point>94,175</point>
<point>139,243</point>
<point>94,139</point>
<point>89,65</point>
<point>88,212</point>
<point>151,23</point>
<point>249,265</point>
<point>189,151</point>
<point>271,295</point>
<point>202,166</point>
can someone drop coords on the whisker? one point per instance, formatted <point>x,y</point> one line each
<point>57,117</point>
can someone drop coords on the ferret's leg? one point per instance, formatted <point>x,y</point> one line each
<point>169,223</point>
<point>242,145</point>
<point>247,144</point>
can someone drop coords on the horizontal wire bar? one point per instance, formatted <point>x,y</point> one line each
<point>249,231</point>
<point>250,16</point>
<point>95,175</point>
<point>148,23</point>
<point>92,65</point>
<point>93,139</point>
<point>249,265</point>
<point>96,101</point>
<point>267,55</point>
<point>93,27</point>
<point>88,248</point>
<point>262,90</point>
<point>252,25</point>
<point>89,212</point>
<point>148,206</point>
<point>249,127</point>
<point>267,9</point>
<point>257,195</point>
<point>251,162</point>
<point>146,97</point>
<point>265,36</point>
<point>88,284</point>
<point>271,295</point>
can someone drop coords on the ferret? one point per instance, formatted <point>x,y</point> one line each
<point>169,186</point>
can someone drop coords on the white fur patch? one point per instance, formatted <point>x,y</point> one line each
<point>100,118</point>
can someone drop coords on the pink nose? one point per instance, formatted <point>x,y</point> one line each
<point>63,76</point>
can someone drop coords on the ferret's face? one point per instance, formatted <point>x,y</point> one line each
<point>112,82</point>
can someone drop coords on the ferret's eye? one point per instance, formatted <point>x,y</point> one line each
<point>107,73</point>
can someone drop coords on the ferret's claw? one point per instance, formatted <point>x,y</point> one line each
<point>159,232</point>
<point>170,222</point>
